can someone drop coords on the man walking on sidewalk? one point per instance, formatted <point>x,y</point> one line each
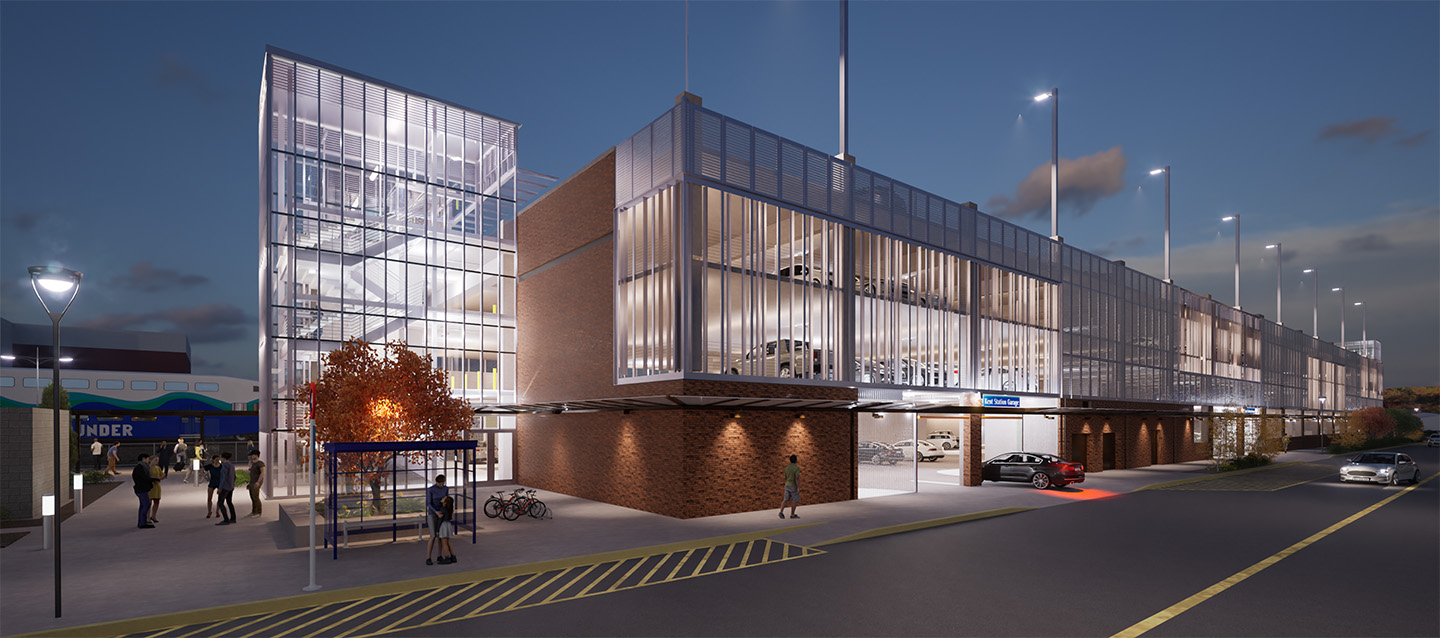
<point>792,487</point>
<point>97,450</point>
<point>143,483</point>
<point>227,490</point>
<point>257,478</point>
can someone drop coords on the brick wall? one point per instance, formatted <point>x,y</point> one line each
<point>27,459</point>
<point>1174,436</point>
<point>688,463</point>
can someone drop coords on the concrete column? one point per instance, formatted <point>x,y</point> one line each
<point>971,447</point>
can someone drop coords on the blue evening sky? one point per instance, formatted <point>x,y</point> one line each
<point>129,131</point>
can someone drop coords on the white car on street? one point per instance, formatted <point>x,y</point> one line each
<point>925,450</point>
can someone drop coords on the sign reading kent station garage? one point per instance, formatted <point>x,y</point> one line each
<point>999,401</point>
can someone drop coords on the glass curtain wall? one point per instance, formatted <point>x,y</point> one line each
<point>390,217</point>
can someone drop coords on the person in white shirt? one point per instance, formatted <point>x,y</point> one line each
<point>97,450</point>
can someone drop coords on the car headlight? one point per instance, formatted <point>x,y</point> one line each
<point>1385,470</point>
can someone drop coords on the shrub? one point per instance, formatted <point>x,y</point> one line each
<point>1369,445</point>
<point>1246,462</point>
<point>242,477</point>
<point>96,476</point>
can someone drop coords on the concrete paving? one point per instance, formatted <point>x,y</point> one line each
<point>114,571</point>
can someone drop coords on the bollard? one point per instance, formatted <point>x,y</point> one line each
<point>79,492</point>
<point>47,510</point>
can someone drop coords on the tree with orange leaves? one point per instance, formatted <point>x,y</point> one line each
<point>363,396</point>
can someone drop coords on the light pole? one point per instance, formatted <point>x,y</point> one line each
<point>1279,315</point>
<point>1364,334</point>
<point>1342,314</point>
<point>37,360</point>
<point>1236,219</point>
<point>54,285</point>
<point>1054,96</point>
<point>1166,171</point>
<point>1315,316</point>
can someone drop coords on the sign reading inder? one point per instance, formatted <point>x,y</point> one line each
<point>999,401</point>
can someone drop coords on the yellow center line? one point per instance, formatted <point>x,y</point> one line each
<point>703,560</point>
<point>572,582</point>
<point>677,565</point>
<point>600,578</point>
<point>320,618</point>
<point>1181,607</point>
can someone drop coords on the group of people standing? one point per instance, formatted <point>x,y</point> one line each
<point>217,471</point>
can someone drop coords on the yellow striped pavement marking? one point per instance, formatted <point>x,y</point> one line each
<point>677,565</point>
<point>562,588</point>
<point>700,565</point>
<point>324,616</point>
<point>595,582</point>
<point>1181,607</point>
<point>423,609</point>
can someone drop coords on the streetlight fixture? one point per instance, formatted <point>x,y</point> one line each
<point>1315,286</point>
<point>1166,171</point>
<point>1236,219</point>
<point>1054,96</point>
<point>56,287</point>
<point>37,360</point>
<point>1342,314</point>
<point>1279,315</point>
<point>1364,334</point>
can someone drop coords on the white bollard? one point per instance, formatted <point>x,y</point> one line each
<point>79,492</point>
<point>47,510</point>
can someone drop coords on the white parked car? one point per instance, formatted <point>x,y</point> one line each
<point>1433,441</point>
<point>925,450</point>
<point>945,440</point>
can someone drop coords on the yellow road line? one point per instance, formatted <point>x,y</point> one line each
<point>1211,477</point>
<point>677,565</point>
<point>572,582</point>
<point>481,609</point>
<point>1181,607</point>
<point>703,560</point>
<point>265,617</point>
<point>270,628</point>
<point>597,580</point>
<point>743,561</point>
<point>487,590</point>
<point>202,628</point>
<point>656,568</point>
<point>726,558</point>
<point>318,619</point>
<point>638,563</point>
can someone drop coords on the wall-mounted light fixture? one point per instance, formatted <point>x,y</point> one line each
<point>802,416</point>
<point>735,416</point>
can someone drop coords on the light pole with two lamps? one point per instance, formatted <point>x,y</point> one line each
<point>55,286</point>
<point>1342,314</point>
<point>37,360</point>
<point>1279,317</point>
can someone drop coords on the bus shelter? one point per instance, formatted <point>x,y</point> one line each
<point>380,485</point>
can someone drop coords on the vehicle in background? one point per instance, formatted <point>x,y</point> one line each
<point>922,450</point>
<point>877,453</point>
<point>782,358</point>
<point>1036,468</point>
<point>1380,467</point>
<point>945,439</point>
<point>1433,441</point>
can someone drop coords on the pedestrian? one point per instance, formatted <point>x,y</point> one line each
<point>97,450</point>
<point>253,449</point>
<point>227,489</point>
<point>158,474</point>
<point>180,453</point>
<point>167,456</point>
<point>257,478</point>
<point>213,475</point>
<point>447,530</point>
<point>112,458</point>
<point>435,496</point>
<point>792,487</point>
<point>199,452</point>
<point>141,476</point>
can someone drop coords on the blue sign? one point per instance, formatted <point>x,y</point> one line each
<point>999,401</point>
<point>1252,410</point>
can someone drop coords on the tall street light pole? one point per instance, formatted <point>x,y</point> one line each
<point>1342,314</point>
<point>1236,219</point>
<point>1315,289</point>
<point>1054,96</point>
<point>1279,310</point>
<point>54,285</point>
<point>1364,334</point>
<point>37,360</point>
<point>1166,171</point>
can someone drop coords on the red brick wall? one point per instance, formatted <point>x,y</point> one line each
<point>688,463</point>
<point>1132,435</point>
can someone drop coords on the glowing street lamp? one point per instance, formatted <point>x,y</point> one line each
<point>37,360</point>
<point>56,287</point>
<point>1364,334</point>
<point>1166,171</point>
<point>1342,313</point>
<point>1236,219</point>
<point>1315,289</point>
<point>1054,96</point>
<point>1279,316</point>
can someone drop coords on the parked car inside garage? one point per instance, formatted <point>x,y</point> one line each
<point>946,440</point>
<point>1038,469</point>
<point>922,449</point>
<point>877,453</point>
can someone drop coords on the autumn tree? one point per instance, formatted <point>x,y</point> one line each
<point>1374,421</point>
<point>1349,432</point>
<point>400,396</point>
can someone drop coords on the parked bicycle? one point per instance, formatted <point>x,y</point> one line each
<point>520,501</point>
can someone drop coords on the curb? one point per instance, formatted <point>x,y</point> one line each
<point>934,522</point>
<point>1211,477</point>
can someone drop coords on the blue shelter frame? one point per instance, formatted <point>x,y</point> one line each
<point>452,465</point>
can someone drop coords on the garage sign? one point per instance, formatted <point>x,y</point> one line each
<point>999,401</point>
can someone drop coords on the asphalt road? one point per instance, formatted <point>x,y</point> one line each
<point>1089,568</point>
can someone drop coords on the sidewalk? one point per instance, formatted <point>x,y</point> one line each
<point>114,571</point>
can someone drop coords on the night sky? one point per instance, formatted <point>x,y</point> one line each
<point>130,130</point>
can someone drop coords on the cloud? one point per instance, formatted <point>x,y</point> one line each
<point>1110,248</point>
<point>173,73</point>
<point>25,220</point>
<point>1083,182</point>
<point>208,323</point>
<point>1369,129</point>
<point>147,278</point>
<point>1369,242</point>
<point>1411,141</point>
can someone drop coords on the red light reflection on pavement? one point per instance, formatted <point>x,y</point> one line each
<point>1078,494</point>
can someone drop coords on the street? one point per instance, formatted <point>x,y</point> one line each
<point>1089,568</point>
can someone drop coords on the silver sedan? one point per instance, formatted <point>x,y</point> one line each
<point>1380,467</point>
